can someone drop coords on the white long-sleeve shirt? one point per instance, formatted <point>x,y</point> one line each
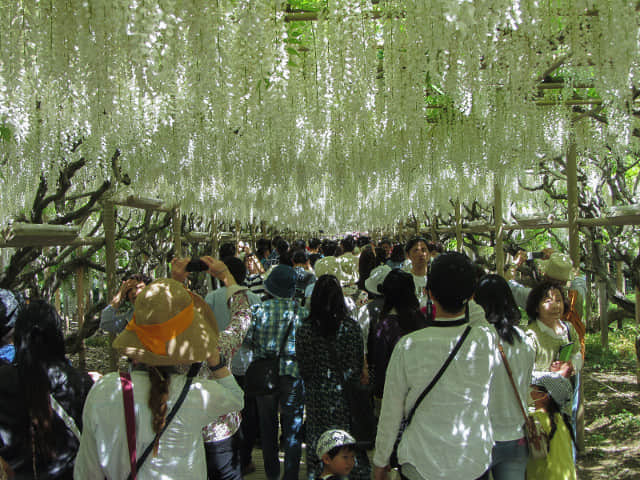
<point>506,416</point>
<point>450,435</point>
<point>103,448</point>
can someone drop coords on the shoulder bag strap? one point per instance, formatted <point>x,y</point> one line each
<point>195,368</point>
<point>130,420</point>
<point>66,418</point>
<point>513,383</point>
<point>284,339</point>
<point>435,379</point>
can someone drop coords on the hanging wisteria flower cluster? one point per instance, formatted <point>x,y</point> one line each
<point>352,118</point>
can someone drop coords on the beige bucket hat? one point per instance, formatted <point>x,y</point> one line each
<point>170,326</point>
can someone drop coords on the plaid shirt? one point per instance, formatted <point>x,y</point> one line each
<point>270,320</point>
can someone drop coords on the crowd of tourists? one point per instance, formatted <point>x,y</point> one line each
<point>359,356</point>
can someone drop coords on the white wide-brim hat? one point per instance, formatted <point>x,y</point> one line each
<point>558,267</point>
<point>373,284</point>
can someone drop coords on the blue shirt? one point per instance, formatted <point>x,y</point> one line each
<point>114,322</point>
<point>217,300</point>
<point>8,353</point>
<point>270,320</point>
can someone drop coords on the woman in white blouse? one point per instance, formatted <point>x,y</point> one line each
<point>509,454</point>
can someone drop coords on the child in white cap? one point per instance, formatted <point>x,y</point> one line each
<point>551,393</point>
<point>337,450</point>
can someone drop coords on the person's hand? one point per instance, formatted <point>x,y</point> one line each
<point>122,292</point>
<point>179,269</point>
<point>381,473</point>
<point>563,368</point>
<point>546,253</point>
<point>5,470</point>
<point>219,270</point>
<point>510,272</point>
<point>520,258</point>
<point>364,376</point>
<point>214,360</point>
<point>95,376</point>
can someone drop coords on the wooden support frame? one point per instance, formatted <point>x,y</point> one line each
<point>498,221</point>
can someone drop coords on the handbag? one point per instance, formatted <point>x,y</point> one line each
<point>393,459</point>
<point>363,424</point>
<point>537,438</point>
<point>130,420</point>
<point>263,375</point>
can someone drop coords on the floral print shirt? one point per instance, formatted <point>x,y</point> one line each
<point>229,342</point>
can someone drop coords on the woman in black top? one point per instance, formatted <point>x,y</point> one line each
<point>34,439</point>
<point>330,353</point>
<point>400,315</point>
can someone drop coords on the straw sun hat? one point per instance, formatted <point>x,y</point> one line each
<point>170,326</point>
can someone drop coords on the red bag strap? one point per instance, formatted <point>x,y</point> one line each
<point>130,419</point>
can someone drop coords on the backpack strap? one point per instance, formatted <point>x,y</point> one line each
<point>66,418</point>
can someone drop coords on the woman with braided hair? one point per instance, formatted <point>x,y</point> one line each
<point>171,328</point>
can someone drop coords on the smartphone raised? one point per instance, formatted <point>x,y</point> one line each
<point>197,265</point>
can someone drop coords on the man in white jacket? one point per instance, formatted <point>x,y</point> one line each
<point>450,435</point>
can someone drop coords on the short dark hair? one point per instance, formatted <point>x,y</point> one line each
<point>139,277</point>
<point>236,267</point>
<point>385,240</point>
<point>362,241</point>
<point>263,245</point>
<point>336,450</point>
<point>397,253</point>
<point>452,281</point>
<point>227,249</point>
<point>300,256</point>
<point>298,244</point>
<point>435,246</point>
<point>329,248</point>
<point>314,242</point>
<point>415,240</point>
<point>537,294</point>
<point>348,243</point>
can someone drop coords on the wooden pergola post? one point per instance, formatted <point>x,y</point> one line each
<point>176,225</point>
<point>458,226</point>
<point>603,303</point>
<point>498,222</point>
<point>80,298</point>
<point>572,204</point>
<point>109,225</point>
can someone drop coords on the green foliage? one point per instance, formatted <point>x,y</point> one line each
<point>5,133</point>
<point>308,5</point>
<point>621,352</point>
<point>123,244</point>
<point>625,422</point>
<point>102,341</point>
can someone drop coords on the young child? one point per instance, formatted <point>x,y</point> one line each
<point>551,393</point>
<point>337,450</point>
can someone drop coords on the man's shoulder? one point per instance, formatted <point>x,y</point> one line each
<point>215,294</point>
<point>254,298</point>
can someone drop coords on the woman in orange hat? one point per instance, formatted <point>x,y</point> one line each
<point>171,327</point>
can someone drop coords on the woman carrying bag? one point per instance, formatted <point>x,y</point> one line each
<point>171,327</point>
<point>509,455</point>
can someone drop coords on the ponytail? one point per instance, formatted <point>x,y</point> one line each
<point>158,396</point>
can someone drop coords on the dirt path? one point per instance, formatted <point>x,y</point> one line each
<point>612,422</point>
